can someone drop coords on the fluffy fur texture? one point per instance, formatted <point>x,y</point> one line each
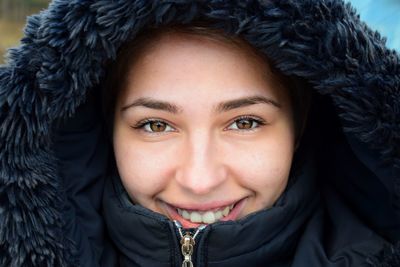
<point>67,46</point>
<point>389,257</point>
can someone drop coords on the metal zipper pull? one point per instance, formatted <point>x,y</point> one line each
<point>187,243</point>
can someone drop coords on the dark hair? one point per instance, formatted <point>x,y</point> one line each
<point>117,73</point>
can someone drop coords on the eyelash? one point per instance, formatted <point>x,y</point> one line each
<point>141,124</point>
<point>260,122</point>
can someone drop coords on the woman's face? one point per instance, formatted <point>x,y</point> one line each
<point>203,132</point>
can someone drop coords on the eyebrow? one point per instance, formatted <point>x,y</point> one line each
<point>246,101</point>
<point>153,104</point>
<point>221,107</point>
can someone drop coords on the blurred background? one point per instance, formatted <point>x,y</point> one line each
<point>383,15</point>
<point>12,19</point>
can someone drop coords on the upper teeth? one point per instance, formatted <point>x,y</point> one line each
<point>205,216</point>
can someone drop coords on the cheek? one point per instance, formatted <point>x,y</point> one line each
<point>144,169</point>
<point>264,168</point>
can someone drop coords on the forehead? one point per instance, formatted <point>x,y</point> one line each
<point>173,61</point>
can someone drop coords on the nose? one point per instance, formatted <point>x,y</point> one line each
<point>201,170</point>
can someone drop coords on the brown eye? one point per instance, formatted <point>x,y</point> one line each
<point>153,126</point>
<point>157,126</point>
<point>244,124</point>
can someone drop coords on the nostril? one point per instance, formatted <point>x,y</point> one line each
<point>199,187</point>
<point>199,184</point>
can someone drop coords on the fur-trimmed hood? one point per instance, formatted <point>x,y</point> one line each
<point>62,60</point>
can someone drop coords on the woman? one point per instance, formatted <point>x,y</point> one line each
<point>216,157</point>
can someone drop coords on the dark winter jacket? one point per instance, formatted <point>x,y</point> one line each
<point>60,207</point>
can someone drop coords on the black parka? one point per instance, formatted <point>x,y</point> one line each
<point>61,203</point>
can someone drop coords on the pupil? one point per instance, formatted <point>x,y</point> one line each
<point>157,126</point>
<point>244,124</point>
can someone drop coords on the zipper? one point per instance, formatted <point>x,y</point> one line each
<point>187,243</point>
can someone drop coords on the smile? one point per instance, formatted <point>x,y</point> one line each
<point>207,216</point>
<point>192,218</point>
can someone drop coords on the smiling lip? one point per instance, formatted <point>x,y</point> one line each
<point>204,207</point>
<point>233,214</point>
